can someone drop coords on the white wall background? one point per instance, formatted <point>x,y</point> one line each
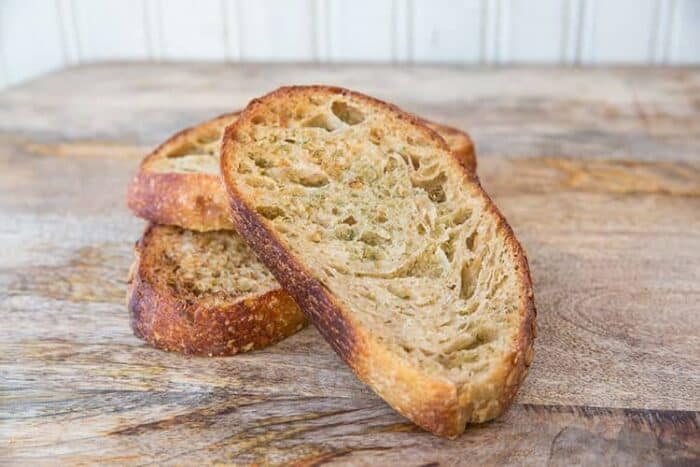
<point>37,36</point>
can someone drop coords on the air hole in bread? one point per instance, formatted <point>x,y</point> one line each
<point>309,179</point>
<point>448,247</point>
<point>470,309</point>
<point>344,232</point>
<point>372,238</point>
<point>257,120</point>
<point>471,240</point>
<point>461,216</point>
<point>372,253</point>
<point>468,342</point>
<point>347,113</point>
<point>401,291</point>
<point>320,121</point>
<point>269,212</point>
<point>468,284</point>
<point>415,161</point>
<point>390,165</point>
<point>350,220</point>
<point>375,136</point>
<point>433,186</point>
<point>185,149</point>
<point>259,181</point>
<point>262,162</point>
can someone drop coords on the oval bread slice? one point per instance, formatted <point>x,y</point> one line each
<point>205,293</point>
<point>178,183</point>
<point>390,247</point>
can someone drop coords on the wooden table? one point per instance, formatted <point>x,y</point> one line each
<point>598,172</point>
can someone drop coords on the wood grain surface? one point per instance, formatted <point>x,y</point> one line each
<point>598,171</point>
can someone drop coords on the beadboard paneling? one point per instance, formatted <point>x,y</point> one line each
<point>276,30</point>
<point>685,46</point>
<point>449,31</point>
<point>622,31</point>
<point>360,30</point>
<point>30,39</point>
<point>38,36</point>
<point>108,30</point>
<point>193,29</point>
<point>537,31</point>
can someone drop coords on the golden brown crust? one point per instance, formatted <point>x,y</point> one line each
<point>172,322</point>
<point>192,200</point>
<point>434,403</point>
<point>197,200</point>
<point>460,143</point>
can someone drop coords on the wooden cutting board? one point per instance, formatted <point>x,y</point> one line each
<point>598,171</point>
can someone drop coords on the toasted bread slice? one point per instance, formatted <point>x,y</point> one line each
<point>205,293</point>
<point>178,183</point>
<point>390,247</point>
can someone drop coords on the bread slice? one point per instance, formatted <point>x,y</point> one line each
<point>390,247</point>
<point>178,183</point>
<point>205,293</point>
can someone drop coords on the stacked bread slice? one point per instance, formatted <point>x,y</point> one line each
<point>370,219</point>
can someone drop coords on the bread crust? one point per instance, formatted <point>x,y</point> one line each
<point>197,200</point>
<point>174,323</point>
<point>432,402</point>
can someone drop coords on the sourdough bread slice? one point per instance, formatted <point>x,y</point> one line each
<point>205,293</point>
<point>390,247</point>
<point>179,184</point>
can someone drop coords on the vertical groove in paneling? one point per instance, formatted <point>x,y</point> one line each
<point>330,32</point>
<point>225,30</point>
<point>585,52</point>
<point>674,31</point>
<point>410,32</point>
<point>491,37</point>
<point>394,31</point>
<point>68,31</point>
<point>61,30</point>
<point>685,37</point>
<point>321,21</point>
<point>153,28</point>
<point>311,10</point>
<point>504,31</point>
<point>665,31</point>
<point>400,29</point>
<point>4,73</point>
<point>571,23</point>
<point>661,30</point>
<point>232,35</point>
<point>484,31</point>
<point>236,11</point>
<point>492,30</point>
<point>75,31</point>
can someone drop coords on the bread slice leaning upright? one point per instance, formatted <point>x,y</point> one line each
<point>389,245</point>
<point>178,183</point>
